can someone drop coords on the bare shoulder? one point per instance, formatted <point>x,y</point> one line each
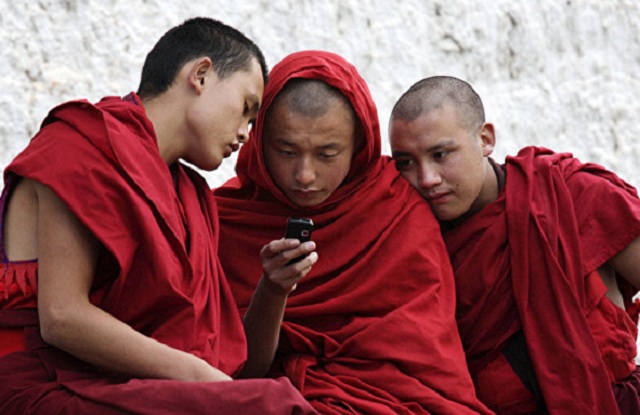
<point>627,262</point>
<point>21,222</point>
<point>608,275</point>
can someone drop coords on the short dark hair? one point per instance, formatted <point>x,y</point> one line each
<point>311,97</point>
<point>434,92</point>
<point>228,49</point>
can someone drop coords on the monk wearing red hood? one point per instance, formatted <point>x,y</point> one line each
<point>546,255</point>
<point>370,329</point>
<point>112,297</point>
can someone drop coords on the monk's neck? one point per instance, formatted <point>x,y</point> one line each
<point>490,188</point>
<point>168,124</point>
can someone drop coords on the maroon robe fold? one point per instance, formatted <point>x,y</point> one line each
<point>158,273</point>
<point>371,329</point>
<point>527,261</point>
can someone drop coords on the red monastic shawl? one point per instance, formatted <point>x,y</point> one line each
<point>371,328</point>
<point>526,260</point>
<point>159,272</point>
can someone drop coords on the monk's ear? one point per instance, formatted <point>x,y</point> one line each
<point>487,137</point>
<point>200,73</point>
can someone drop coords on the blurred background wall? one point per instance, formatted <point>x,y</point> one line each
<point>564,74</point>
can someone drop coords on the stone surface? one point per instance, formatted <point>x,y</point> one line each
<point>561,74</point>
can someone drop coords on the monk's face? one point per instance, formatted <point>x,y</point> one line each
<point>218,120</point>
<point>444,161</point>
<point>308,158</point>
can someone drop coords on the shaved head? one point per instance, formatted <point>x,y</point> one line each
<point>433,93</point>
<point>311,97</point>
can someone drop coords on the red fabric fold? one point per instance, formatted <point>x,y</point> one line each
<point>371,329</point>
<point>158,273</point>
<point>556,221</point>
<point>19,284</point>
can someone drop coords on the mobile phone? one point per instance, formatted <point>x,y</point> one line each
<point>300,229</point>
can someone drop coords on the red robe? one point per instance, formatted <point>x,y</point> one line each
<point>527,261</point>
<point>371,329</point>
<point>158,272</point>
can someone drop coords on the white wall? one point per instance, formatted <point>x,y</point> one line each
<point>563,74</point>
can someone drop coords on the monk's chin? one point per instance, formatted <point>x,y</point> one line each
<point>306,200</point>
<point>444,215</point>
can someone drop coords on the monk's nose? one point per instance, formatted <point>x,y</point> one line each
<point>305,172</point>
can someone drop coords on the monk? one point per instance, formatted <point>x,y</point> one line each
<point>112,297</point>
<point>546,256</point>
<point>370,328</point>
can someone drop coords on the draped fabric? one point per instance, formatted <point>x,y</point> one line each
<point>371,329</point>
<point>158,272</point>
<point>528,260</point>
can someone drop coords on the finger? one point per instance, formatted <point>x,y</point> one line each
<point>275,247</point>
<point>298,253</point>
<point>293,271</point>
<point>307,265</point>
<point>304,265</point>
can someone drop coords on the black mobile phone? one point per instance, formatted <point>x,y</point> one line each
<point>300,229</point>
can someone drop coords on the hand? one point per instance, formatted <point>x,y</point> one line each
<point>279,277</point>
<point>204,372</point>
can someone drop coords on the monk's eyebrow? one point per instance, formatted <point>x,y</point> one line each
<point>399,154</point>
<point>440,146</point>
<point>282,142</point>
<point>433,148</point>
<point>329,146</point>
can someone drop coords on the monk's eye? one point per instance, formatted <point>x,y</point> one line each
<point>404,164</point>
<point>327,156</point>
<point>439,155</point>
<point>286,153</point>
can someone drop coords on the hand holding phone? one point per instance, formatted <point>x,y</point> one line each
<point>279,276</point>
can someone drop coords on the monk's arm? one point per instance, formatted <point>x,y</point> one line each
<point>67,257</point>
<point>627,262</point>
<point>264,316</point>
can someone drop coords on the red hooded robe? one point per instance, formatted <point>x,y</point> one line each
<point>158,272</point>
<point>371,329</point>
<point>528,260</point>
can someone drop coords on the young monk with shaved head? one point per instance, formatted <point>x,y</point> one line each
<point>370,327</point>
<point>546,256</point>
